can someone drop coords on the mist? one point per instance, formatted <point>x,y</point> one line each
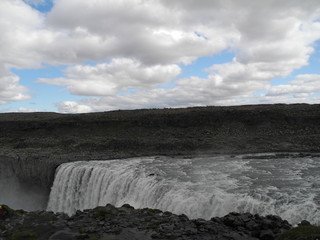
<point>19,195</point>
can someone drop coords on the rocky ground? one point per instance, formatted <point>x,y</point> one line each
<point>127,223</point>
<point>259,128</point>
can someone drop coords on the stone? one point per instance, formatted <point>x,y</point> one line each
<point>110,222</point>
<point>267,235</point>
<point>304,223</point>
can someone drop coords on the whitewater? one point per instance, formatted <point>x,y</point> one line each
<point>200,187</point>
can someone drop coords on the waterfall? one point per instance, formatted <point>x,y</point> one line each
<point>199,187</point>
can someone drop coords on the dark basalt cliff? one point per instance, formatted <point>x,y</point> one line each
<point>32,145</point>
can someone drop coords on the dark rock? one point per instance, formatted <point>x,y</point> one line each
<point>233,220</point>
<point>304,223</point>
<point>126,223</point>
<point>183,218</point>
<point>267,235</point>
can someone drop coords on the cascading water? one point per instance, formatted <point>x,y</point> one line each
<point>201,187</point>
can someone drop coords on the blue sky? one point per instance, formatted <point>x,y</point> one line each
<point>77,56</point>
<point>40,5</point>
<point>43,96</point>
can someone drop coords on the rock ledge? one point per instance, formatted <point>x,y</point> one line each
<point>127,223</point>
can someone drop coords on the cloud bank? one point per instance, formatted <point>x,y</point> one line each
<point>139,48</point>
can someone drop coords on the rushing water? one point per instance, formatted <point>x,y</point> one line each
<point>201,187</point>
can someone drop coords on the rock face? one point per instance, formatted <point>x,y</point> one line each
<point>127,223</point>
<point>34,144</point>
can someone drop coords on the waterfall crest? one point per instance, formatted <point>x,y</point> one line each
<point>199,188</point>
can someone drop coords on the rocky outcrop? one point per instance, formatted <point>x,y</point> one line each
<point>127,223</point>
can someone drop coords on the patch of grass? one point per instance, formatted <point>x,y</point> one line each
<point>2,227</point>
<point>154,211</point>
<point>127,206</point>
<point>302,233</point>
<point>28,232</point>
<point>153,225</point>
<point>52,218</point>
<point>117,230</point>
<point>166,213</point>
<point>19,211</point>
<point>94,238</point>
<point>82,236</point>
<point>162,236</point>
<point>101,213</point>
<point>24,235</point>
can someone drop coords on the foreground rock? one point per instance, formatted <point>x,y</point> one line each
<point>127,223</point>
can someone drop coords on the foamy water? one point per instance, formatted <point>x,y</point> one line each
<point>201,187</point>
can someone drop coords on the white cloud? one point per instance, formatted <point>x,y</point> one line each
<point>146,30</point>
<point>304,85</point>
<point>186,93</point>
<point>20,36</point>
<point>23,109</point>
<point>10,89</point>
<point>17,23</point>
<point>20,109</point>
<point>270,40</point>
<point>208,91</point>
<point>202,92</point>
<point>140,44</point>
<point>111,78</point>
<point>72,107</point>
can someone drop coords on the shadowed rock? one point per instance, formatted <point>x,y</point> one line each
<point>126,223</point>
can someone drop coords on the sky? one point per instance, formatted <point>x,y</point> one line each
<point>76,56</point>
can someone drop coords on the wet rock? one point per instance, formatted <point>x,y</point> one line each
<point>304,223</point>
